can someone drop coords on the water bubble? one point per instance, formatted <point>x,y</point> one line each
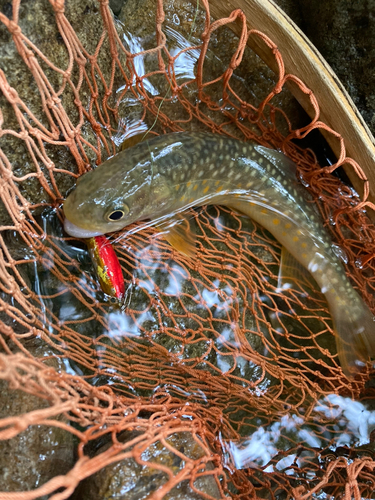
<point>340,253</point>
<point>332,221</point>
<point>359,263</point>
<point>304,182</point>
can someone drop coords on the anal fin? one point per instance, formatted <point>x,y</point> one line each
<point>291,271</point>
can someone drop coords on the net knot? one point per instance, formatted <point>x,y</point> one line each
<point>23,135</point>
<point>215,128</point>
<point>59,6</point>
<point>53,101</point>
<point>243,111</point>
<point>6,175</point>
<point>298,491</point>
<point>11,95</point>
<point>96,128</point>
<point>13,28</point>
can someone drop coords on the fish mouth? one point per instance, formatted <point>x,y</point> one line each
<point>79,232</point>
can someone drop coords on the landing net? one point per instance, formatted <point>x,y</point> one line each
<point>211,382</point>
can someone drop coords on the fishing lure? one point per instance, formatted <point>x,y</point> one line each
<point>107,266</point>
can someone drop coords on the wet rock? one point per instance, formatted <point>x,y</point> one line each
<point>116,6</point>
<point>37,22</point>
<point>343,31</point>
<point>129,480</point>
<point>49,297</point>
<point>183,26</point>
<point>37,454</point>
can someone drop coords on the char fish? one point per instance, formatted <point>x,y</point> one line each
<point>159,178</point>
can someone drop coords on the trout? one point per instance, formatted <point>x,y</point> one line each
<point>158,179</point>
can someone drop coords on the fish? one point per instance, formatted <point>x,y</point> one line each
<point>160,178</point>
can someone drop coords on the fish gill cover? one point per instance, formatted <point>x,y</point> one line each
<point>209,382</point>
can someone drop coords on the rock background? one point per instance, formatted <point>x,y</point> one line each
<point>344,32</point>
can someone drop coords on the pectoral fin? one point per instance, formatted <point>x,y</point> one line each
<point>132,141</point>
<point>180,232</point>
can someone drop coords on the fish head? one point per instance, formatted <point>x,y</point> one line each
<point>113,196</point>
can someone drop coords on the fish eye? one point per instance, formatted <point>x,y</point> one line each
<point>118,213</point>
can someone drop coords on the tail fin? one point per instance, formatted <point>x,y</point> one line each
<point>355,337</point>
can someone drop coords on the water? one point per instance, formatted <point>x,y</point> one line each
<point>180,323</point>
<point>335,422</point>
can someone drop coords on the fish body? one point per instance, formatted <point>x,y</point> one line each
<point>163,176</point>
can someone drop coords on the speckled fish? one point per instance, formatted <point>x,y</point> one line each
<point>161,177</point>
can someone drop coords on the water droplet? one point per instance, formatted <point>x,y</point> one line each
<point>358,263</point>
<point>340,253</point>
<point>303,180</point>
<point>176,19</point>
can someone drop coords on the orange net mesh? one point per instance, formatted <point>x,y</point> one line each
<point>210,383</point>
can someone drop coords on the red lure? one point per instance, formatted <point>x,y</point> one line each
<point>107,266</point>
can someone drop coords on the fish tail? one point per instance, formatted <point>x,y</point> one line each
<point>355,336</point>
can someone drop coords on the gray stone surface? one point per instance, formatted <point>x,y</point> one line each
<point>252,80</point>
<point>129,480</point>
<point>344,32</point>
<point>40,452</point>
<point>37,22</point>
